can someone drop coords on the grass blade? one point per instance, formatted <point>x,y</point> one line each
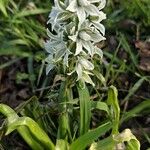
<point>134,89</point>
<point>128,49</point>
<point>136,110</point>
<point>3,7</point>
<point>26,13</point>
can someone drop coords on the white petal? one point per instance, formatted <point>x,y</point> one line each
<point>97,37</point>
<point>49,59</point>
<point>87,79</point>
<point>59,4</point>
<point>78,47</point>
<point>100,27</point>
<point>73,37</point>
<point>71,72</point>
<point>92,10</point>
<point>48,47</point>
<point>79,71</point>
<point>102,4</point>
<point>86,64</point>
<point>99,52</point>
<point>102,16</point>
<point>59,54</point>
<point>88,46</point>
<point>84,36</point>
<point>81,15</point>
<point>83,2</point>
<point>72,6</point>
<point>49,67</point>
<point>66,57</point>
<point>52,36</point>
<point>94,1</point>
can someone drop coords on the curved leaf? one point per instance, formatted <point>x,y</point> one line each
<point>13,123</point>
<point>83,141</point>
<point>39,135</point>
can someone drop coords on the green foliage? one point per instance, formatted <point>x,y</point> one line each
<point>22,33</point>
<point>112,101</point>
<point>85,140</point>
<point>22,27</point>
<point>38,139</point>
<point>3,5</point>
<point>27,128</point>
<point>139,9</point>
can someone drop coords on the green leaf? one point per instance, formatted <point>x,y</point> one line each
<point>25,13</point>
<point>23,131</point>
<point>39,135</point>
<point>112,101</point>
<point>105,144</point>
<point>25,127</point>
<point>133,144</point>
<point>64,127</point>
<point>85,140</point>
<point>85,109</point>
<point>3,7</point>
<point>62,145</point>
<point>100,105</point>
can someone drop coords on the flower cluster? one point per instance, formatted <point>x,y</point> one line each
<point>75,29</point>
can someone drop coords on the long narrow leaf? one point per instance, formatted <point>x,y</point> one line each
<point>25,13</point>
<point>85,140</point>
<point>3,7</point>
<point>112,100</point>
<point>64,128</point>
<point>85,109</point>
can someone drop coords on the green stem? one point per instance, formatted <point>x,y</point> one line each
<point>64,127</point>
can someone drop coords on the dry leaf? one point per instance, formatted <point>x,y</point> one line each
<point>144,52</point>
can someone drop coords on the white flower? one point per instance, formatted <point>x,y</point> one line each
<point>83,68</point>
<point>85,40</point>
<point>83,8</point>
<point>76,28</point>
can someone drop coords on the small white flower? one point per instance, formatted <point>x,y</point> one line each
<point>83,68</point>
<point>85,40</point>
<point>83,8</point>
